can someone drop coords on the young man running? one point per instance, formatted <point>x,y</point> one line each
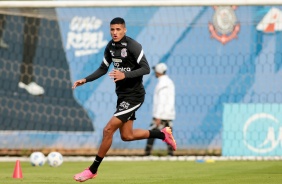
<point>130,64</point>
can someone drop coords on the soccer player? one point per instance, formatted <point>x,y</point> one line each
<point>163,105</point>
<point>130,64</point>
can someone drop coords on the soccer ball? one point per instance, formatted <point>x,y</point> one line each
<point>55,159</point>
<point>37,159</point>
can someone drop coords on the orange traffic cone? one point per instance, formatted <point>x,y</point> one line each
<point>18,170</point>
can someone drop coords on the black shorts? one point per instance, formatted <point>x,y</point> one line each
<point>127,106</point>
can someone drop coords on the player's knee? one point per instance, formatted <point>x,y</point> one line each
<point>107,131</point>
<point>127,138</point>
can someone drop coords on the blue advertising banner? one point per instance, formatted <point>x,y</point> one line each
<point>252,130</point>
<point>220,58</point>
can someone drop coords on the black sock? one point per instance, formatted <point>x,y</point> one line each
<point>94,167</point>
<point>156,134</point>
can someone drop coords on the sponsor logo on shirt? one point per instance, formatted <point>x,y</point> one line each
<point>117,60</point>
<point>124,69</point>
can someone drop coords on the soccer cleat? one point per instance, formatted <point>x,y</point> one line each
<point>84,175</point>
<point>169,137</point>
<point>32,88</point>
<point>3,44</point>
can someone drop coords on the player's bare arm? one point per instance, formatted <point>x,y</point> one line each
<point>78,83</point>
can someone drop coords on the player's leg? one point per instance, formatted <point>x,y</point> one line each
<point>127,132</point>
<point>108,133</point>
<point>2,27</point>
<point>127,115</point>
<point>27,80</point>
<point>105,145</point>
<point>30,43</point>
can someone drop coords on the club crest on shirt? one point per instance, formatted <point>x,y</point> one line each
<point>123,52</point>
<point>224,26</point>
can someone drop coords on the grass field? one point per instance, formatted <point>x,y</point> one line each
<point>153,172</point>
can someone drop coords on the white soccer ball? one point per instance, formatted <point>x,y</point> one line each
<point>37,159</point>
<point>55,159</point>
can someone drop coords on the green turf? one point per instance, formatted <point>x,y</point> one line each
<point>153,172</point>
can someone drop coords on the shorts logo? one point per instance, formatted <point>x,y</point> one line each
<point>224,26</point>
<point>123,52</point>
<point>123,105</point>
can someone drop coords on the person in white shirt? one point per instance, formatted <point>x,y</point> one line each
<point>163,105</point>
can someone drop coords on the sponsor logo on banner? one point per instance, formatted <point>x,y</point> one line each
<point>271,22</point>
<point>252,130</point>
<point>224,26</point>
<point>272,133</point>
<point>84,36</point>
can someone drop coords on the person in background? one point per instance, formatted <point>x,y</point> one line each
<point>163,106</point>
<point>130,64</point>
<point>3,44</point>
<point>30,39</point>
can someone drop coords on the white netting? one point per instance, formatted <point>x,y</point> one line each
<point>40,45</point>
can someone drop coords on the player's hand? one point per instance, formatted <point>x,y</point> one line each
<point>78,83</point>
<point>116,75</point>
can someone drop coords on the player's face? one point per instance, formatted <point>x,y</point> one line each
<point>117,32</point>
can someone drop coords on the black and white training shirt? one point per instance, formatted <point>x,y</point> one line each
<point>127,56</point>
